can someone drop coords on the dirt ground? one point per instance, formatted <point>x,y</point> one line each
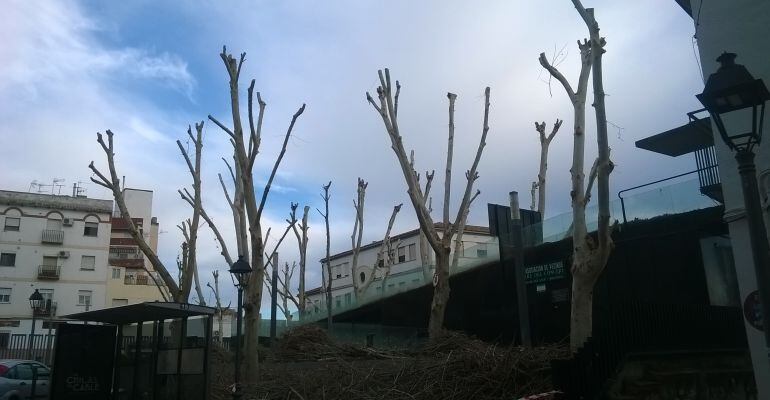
<point>307,364</point>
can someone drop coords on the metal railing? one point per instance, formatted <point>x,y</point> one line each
<point>52,236</point>
<point>48,271</point>
<point>137,280</point>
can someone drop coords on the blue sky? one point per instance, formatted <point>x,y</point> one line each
<point>147,69</point>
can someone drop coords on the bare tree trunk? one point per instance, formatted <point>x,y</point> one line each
<point>355,238</point>
<point>388,111</point>
<point>589,257</point>
<point>244,163</point>
<point>302,240</point>
<point>459,235</point>
<point>218,303</point>
<point>545,143</point>
<point>113,184</point>
<point>329,279</point>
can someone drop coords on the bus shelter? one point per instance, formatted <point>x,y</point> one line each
<point>160,350</point>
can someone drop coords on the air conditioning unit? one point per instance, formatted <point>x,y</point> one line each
<point>64,254</point>
<point>67,222</point>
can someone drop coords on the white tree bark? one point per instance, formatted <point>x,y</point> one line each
<point>589,255</point>
<point>385,254</point>
<point>302,240</point>
<point>357,236</point>
<point>387,109</point>
<point>327,260</point>
<point>545,143</point>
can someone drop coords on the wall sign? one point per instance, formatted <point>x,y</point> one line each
<point>752,310</point>
<point>544,273</point>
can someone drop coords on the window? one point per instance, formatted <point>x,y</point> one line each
<point>88,263</point>
<point>21,372</point>
<point>12,224</point>
<point>50,261</point>
<point>481,250</point>
<point>84,297</point>
<point>47,294</point>
<point>91,229</point>
<point>337,301</point>
<point>116,273</point>
<point>362,276</point>
<point>5,295</point>
<point>348,299</point>
<point>5,339</point>
<point>7,259</point>
<point>53,224</point>
<point>402,254</point>
<point>119,302</point>
<point>412,252</point>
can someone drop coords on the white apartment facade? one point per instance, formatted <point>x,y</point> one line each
<point>56,245</point>
<point>407,271</point>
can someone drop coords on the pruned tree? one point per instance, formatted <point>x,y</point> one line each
<point>247,210</point>
<point>387,108</point>
<point>282,290</point>
<point>589,255</point>
<point>327,261</point>
<point>189,263</point>
<point>539,185</point>
<point>178,293</point>
<point>301,233</point>
<point>385,256</point>
<point>355,240</point>
<point>218,303</point>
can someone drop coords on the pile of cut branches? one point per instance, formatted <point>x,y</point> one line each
<point>307,364</point>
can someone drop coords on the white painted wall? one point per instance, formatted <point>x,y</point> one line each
<point>741,27</point>
<point>22,278</point>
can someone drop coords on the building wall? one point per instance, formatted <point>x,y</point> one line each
<point>741,27</point>
<point>132,284</point>
<point>403,276</point>
<point>34,212</point>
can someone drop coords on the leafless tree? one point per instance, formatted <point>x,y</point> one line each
<point>387,107</point>
<point>385,256</point>
<point>355,240</point>
<point>218,303</point>
<point>539,185</point>
<point>283,290</point>
<point>189,263</point>
<point>247,211</point>
<point>327,260</point>
<point>589,255</point>
<point>301,233</point>
<point>178,293</point>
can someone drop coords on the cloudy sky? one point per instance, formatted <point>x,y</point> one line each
<point>147,69</point>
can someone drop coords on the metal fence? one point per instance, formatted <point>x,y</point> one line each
<point>631,327</point>
<point>17,347</point>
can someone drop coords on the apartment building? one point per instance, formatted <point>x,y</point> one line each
<point>56,245</point>
<point>132,278</point>
<point>406,271</point>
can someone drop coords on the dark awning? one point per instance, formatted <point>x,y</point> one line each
<point>685,139</point>
<point>151,311</point>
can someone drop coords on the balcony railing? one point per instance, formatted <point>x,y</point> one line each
<point>48,272</point>
<point>53,236</point>
<point>126,256</point>
<point>137,280</point>
<point>46,310</point>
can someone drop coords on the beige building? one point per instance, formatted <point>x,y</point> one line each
<point>56,245</point>
<point>132,278</point>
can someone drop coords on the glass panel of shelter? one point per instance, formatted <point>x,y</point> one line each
<point>150,355</point>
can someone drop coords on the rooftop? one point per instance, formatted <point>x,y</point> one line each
<point>149,311</point>
<point>57,202</point>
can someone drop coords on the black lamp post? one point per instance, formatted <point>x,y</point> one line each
<point>240,271</point>
<point>37,303</point>
<point>733,96</point>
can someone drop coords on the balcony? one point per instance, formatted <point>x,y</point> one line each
<point>46,311</point>
<point>48,272</point>
<point>137,280</point>
<point>53,236</point>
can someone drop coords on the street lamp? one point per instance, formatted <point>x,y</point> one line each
<point>733,96</point>
<point>240,270</point>
<point>37,303</point>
